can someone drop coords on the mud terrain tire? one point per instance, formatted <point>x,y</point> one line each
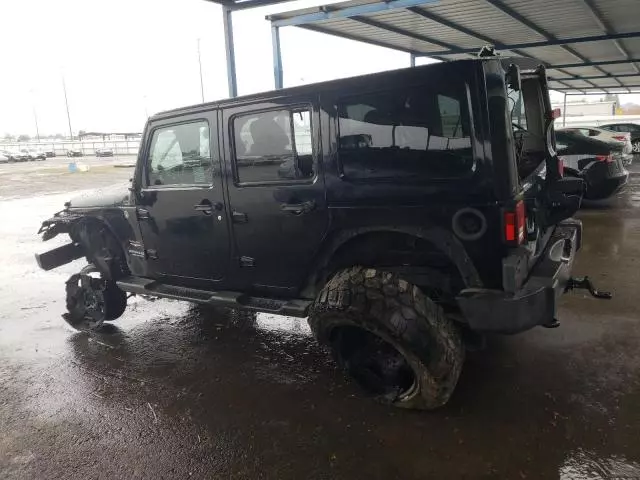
<point>360,307</point>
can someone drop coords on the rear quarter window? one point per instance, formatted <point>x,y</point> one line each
<point>408,134</point>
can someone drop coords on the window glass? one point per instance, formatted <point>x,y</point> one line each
<point>563,141</point>
<point>412,133</point>
<point>516,106</point>
<point>273,146</point>
<point>180,154</point>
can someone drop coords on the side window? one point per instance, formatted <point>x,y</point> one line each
<point>273,146</point>
<point>450,116</point>
<point>180,155</point>
<point>408,133</point>
<point>562,142</point>
<point>516,106</point>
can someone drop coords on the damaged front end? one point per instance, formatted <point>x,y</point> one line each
<point>92,296</point>
<point>91,237</point>
<point>62,222</point>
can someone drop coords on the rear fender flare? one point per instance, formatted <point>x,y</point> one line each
<point>442,239</point>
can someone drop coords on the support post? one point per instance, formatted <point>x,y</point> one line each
<point>412,60</point>
<point>200,69</point>
<point>277,57</point>
<point>230,51</point>
<point>66,104</point>
<point>564,111</point>
<point>35,117</point>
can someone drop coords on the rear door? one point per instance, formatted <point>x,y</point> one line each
<point>276,191</point>
<point>180,206</point>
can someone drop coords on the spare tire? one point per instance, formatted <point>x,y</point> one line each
<point>389,337</point>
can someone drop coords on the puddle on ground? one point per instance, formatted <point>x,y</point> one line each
<point>278,324</point>
<point>587,465</point>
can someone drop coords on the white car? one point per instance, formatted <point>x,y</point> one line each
<point>4,159</point>
<point>604,135</point>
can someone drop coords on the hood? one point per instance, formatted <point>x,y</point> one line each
<point>113,196</point>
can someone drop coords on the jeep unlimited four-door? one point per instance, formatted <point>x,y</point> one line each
<point>399,211</point>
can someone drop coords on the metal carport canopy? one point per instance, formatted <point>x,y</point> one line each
<point>588,46</point>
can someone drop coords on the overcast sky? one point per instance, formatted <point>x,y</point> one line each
<point>123,58</point>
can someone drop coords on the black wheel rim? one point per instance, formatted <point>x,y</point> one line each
<point>85,301</point>
<point>374,363</point>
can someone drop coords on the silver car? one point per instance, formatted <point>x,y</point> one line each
<point>606,136</point>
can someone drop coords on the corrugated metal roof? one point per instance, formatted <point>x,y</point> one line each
<point>574,38</point>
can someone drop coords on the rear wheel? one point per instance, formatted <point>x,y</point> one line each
<point>390,338</point>
<point>92,300</point>
<point>636,147</point>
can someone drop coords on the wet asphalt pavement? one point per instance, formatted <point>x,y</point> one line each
<point>170,391</point>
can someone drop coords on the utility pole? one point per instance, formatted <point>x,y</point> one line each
<point>35,117</point>
<point>66,102</point>
<point>200,67</point>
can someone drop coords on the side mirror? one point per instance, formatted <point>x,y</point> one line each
<point>514,80</point>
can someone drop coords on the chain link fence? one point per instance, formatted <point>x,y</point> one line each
<point>87,147</point>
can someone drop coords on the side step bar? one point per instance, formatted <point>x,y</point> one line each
<point>146,286</point>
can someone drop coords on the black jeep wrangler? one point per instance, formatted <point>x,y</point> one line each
<point>401,212</point>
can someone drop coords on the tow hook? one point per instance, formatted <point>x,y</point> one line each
<point>587,284</point>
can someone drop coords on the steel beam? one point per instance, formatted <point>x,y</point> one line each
<point>547,43</point>
<point>243,5</point>
<point>229,51</point>
<point>569,88</point>
<point>595,77</point>
<point>603,88</point>
<point>349,36</point>
<point>467,31</point>
<point>401,31</point>
<point>634,92</point>
<point>328,12</point>
<point>594,63</point>
<point>606,27</point>
<point>551,40</point>
<point>277,57</point>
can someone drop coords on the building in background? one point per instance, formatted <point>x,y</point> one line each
<point>583,109</point>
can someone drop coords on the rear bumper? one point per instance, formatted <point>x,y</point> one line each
<point>606,187</point>
<point>535,302</point>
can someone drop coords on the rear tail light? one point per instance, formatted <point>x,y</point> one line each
<point>514,224</point>
<point>561,166</point>
<point>621,138</point>
<point>605,158</point>
<point>556,113</point>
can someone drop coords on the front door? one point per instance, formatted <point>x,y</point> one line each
<point>181,205</point>
<point>276,192</point>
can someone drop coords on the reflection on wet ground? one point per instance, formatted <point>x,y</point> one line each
<point>175,391</point>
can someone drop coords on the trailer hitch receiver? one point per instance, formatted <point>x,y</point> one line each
<point>586,284</point>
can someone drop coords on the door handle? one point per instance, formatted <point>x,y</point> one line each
<point>298,208</point>
<point>204,206</point>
